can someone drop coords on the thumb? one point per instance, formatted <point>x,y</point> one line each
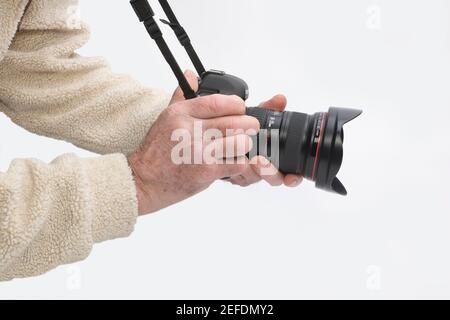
<point>178,95</point>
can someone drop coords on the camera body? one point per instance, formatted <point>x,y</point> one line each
<point>219,82</point>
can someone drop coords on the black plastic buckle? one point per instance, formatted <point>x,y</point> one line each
<point>153,29</point>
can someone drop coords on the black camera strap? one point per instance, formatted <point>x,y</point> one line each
<point>182,36</point>
<point>146,15</point>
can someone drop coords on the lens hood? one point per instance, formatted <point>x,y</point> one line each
<point>331,150</point>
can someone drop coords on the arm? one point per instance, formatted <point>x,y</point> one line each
<point>52,214</point>
<point>48,89</point>
<point>81,101</point>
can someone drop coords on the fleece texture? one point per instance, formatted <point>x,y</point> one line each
<point>52,214</point>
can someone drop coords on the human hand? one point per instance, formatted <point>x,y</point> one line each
<point>160,182</point>
<point>259,168</point>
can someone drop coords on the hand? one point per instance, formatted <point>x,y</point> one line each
<point>257,170</point>
<point>160,182</point>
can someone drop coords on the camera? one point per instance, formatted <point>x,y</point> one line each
<point>309,145</point>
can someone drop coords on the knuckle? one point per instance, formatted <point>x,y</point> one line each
<point>172,111</point>
<point>206,103</point>
<point>172,108</point>
<point>214,103</point>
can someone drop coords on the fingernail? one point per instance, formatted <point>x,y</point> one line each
<point>295,183</point>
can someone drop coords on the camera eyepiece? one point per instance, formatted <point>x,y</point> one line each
<point>309,145</point>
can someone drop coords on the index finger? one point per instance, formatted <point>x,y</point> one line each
<point>215,106</point>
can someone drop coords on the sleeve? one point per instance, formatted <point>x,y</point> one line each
<point>48,89</point>
<point>52,214</point>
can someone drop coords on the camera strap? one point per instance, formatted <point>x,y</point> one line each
<point>182,36</point>
<point>146,15</point>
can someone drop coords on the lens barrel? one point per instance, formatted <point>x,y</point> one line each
<point>308,145</point>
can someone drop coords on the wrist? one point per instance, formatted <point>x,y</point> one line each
<point>142,193</point>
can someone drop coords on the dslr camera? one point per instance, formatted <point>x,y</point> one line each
<point>308,145</point>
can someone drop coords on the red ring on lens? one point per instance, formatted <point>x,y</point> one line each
<point>319,142</point>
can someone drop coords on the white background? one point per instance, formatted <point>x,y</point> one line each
<point>390,238</point>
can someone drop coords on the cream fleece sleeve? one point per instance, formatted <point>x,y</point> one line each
<point>52,214</point>
<point>48,89</point>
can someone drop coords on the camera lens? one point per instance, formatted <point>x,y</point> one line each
<point>309,145</point>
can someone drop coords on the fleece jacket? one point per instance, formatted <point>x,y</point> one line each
<point>52,213</point>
